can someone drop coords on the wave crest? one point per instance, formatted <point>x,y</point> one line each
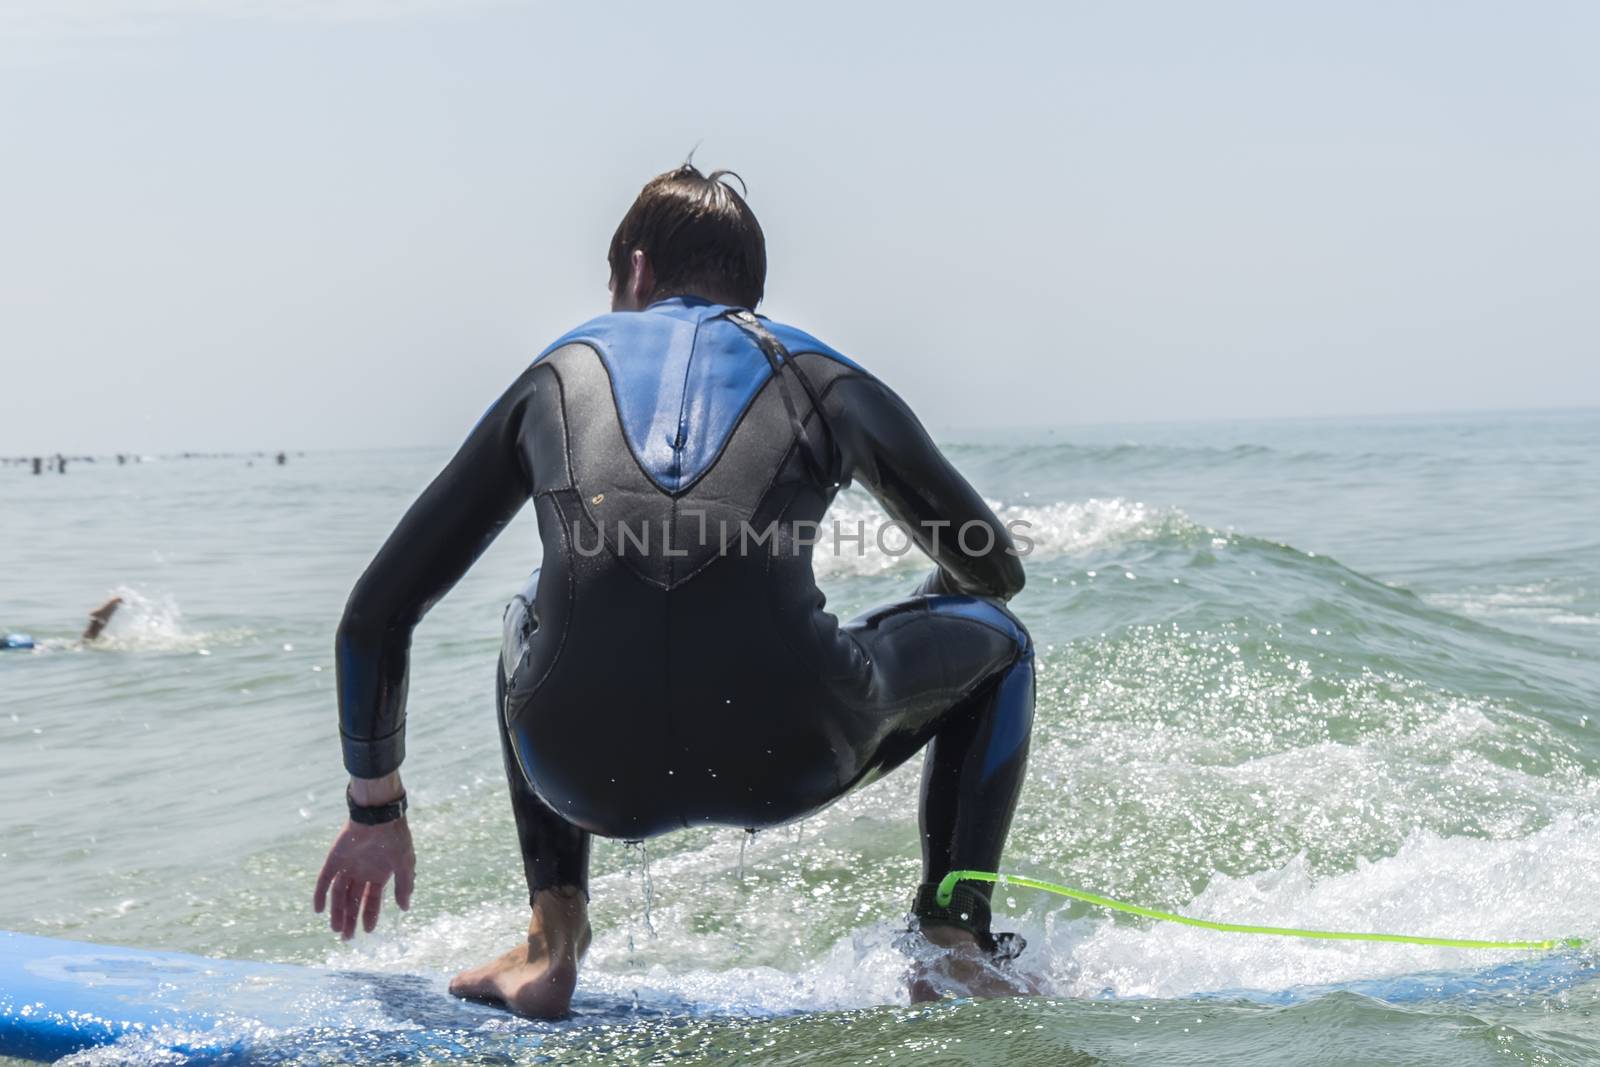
<point>1042,531</point>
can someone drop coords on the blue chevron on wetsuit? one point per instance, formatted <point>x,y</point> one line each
<point>671,663</point>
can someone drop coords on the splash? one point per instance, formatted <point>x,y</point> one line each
<point>1434,885</point>
<point>1043,531</point>
<point>156,624</point>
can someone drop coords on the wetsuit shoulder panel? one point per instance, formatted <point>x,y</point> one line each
<point>797,341</point>
<point>681,377</point>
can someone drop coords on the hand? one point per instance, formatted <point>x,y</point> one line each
<point>359,866</point>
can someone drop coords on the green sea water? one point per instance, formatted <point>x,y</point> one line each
<point>1334,673</point>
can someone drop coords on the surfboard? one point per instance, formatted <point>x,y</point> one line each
<point>58,997</point>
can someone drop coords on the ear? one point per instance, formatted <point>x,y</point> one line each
<point>641,278</point>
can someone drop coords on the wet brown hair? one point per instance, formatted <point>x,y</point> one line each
<point>700,236</point>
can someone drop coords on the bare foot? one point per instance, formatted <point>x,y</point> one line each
<point>956,966</point>
<point>538,976</point>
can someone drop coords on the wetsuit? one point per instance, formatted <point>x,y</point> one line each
<point>671,662</point>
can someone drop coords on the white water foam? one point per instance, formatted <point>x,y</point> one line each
<point>155,623</point>
<point>1538,602</point>
<point>1530,888</point>
<point>1527,888</point>
<point>1056,529</point>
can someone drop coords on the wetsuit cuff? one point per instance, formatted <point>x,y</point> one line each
<point>374,758</point>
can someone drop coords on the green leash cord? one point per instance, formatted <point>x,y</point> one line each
<point>948,884</point>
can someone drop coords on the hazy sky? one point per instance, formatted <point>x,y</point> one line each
<point>263,223</point>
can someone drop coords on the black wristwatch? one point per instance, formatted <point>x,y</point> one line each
<point>376,814</point>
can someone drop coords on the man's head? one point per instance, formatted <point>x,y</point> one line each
<point>688,234</point>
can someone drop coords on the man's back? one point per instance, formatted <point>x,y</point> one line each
<point>680,460</point>
<point>671,662</point>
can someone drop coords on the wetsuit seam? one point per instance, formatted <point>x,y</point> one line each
<point>1007,634</point>
<point>616,407</point>
<point>683,409</point>
<point>372,740</point>
<point>572,475</point>
<point>750,406</point>
<point>962,691</point>
<point>766,489</point>
<point>561,643</point>
<point>566,433</point>
<point>794,447</point>
<point>815,663</point>
<point>616,404</point>
<point>677,454</point>
<point>727,441</point>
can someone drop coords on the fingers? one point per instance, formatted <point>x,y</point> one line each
<point>351,899</point>
<point>336,904</point>
<point>319,898</point>
<point>405,880</point>
<point>352,907</point>
<point>370,905</point>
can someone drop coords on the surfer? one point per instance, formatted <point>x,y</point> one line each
<point>671,663</point>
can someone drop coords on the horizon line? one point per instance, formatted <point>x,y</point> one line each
<point>8,456</point>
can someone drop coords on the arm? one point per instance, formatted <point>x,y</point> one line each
<point>442,534</point>
<point>454,520</point>
<point>889,452</point>
<point>99,618</point>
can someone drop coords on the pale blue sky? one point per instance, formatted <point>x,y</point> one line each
<point>258,223</point>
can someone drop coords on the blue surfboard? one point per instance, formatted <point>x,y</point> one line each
<point>58,997</point>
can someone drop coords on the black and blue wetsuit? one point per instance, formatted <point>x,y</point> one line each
<point>671,662</point>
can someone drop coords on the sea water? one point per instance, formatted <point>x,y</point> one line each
<point>1334,673</point>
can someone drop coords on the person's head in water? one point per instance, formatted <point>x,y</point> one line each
<point>688,234</point>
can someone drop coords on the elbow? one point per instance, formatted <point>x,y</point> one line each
<point>354,622</point>
<point>1011,577</point>
<point>370,615</point>
<point>355,632</point>
<point>1005,574</point>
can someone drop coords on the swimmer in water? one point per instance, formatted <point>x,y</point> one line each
<point>671,664</point>
<point>100,618</point>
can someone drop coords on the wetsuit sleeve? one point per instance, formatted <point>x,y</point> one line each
<point>886,449</point>
<point>452,522</point>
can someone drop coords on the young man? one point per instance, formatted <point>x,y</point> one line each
<point>671,664</point>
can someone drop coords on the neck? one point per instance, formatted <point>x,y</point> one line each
<point>710,296</point>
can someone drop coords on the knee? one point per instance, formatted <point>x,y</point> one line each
<point>1007,620</point>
